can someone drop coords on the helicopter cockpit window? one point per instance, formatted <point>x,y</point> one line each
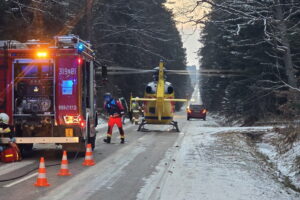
<point>151,88</point>
<point>168,88</point>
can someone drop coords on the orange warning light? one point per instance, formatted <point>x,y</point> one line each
<point>42,54</point>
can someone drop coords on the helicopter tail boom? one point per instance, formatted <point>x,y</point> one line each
<point>155,99</point>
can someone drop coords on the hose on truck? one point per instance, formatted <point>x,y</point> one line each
<point>36,168</point>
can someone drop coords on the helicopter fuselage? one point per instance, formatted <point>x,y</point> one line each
<point>159,111</point>
<point>159,101</point>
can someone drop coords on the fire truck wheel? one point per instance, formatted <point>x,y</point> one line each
<point>76,148</point>
<point>26,149</point>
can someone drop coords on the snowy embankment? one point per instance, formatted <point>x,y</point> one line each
<point>211,162</point>
<point>283,156</point>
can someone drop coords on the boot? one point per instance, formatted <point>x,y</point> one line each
<point>122,135</point>
<point>122,141</point>
<point>107,140</point>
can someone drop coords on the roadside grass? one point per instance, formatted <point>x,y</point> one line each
<point>279,148</point>
<point>287,137</point>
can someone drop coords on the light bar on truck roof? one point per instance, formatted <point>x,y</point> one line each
<point>42,54</point>
<point>67,39</point>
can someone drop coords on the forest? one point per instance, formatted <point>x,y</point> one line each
<point>124,33</point>
<point>259,41</point>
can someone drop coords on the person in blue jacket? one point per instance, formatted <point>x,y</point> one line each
<point>115,110</point>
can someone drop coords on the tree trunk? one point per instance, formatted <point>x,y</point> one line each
<point>89,20</point>
<point>287,57</point>
<point>37,25</point>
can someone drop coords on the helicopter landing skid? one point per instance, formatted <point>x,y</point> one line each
<point>173,123</point>
<point>141,126</point>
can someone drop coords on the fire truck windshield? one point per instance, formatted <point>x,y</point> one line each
<point>29,70</point>
<point>33,70</point>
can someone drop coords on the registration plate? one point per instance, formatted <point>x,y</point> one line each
<point>69,132</point>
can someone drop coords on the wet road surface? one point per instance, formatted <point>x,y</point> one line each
<point>203,161</point>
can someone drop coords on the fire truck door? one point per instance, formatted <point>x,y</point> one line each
<point>88,96</point>
<point>92,88</point>
<point>2,88</point>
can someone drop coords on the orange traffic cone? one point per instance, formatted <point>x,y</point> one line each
<point>64,170</point>
<point>42,179</point>
<point>88,160</point>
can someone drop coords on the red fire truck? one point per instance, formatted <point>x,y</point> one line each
<point>48,91</point>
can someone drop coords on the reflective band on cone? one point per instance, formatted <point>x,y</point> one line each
<point>88,160</point>
<point>42,179</point>
<point>64,169</point>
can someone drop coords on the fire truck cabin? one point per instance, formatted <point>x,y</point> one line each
<point>48,91</point>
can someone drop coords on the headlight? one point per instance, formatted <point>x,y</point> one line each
<point>69,119</point>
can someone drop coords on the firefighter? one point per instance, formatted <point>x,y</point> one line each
<point>115,110</point>
<point>135,108</point>
<point>5,130</point>
<point>124,104</point>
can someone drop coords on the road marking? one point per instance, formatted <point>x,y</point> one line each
<point>9,167</point>
<point>180,116</point>
<point>21,180</point>
<point>104,174</point>
<point>32,175</point>
<point>159,176</point>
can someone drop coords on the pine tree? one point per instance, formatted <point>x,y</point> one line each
<point>250,37</point>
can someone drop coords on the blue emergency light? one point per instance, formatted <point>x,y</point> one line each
<point>80,47</point>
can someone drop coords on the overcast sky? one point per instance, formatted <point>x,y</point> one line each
<point>190,39</point>
<point>189,32</point>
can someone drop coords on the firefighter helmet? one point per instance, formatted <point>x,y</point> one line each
<point>4,118</point>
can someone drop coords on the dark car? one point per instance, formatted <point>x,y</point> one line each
<point>196,111</point>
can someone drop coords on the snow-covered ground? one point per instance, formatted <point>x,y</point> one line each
<point>210,162</point>
<point>286,162</point>
<point>101,123</point>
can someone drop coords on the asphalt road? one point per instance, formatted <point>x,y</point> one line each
<point>203,161</point>
<point>118,174</point>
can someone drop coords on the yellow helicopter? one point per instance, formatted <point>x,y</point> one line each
<point>159,101</point>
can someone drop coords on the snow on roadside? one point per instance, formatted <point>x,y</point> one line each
<point>287,163</point>
<point>205,163</point>
<point>171,164</point>
<point>101,123</point>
